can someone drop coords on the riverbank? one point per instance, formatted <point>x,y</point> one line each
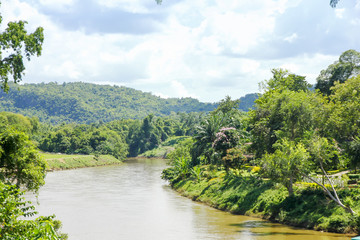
<point>252,196</point>
<point>64,161</point>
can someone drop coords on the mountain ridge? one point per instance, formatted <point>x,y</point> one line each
<point>88,103</point>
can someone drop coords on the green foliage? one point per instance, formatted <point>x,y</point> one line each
<point>85,139</point>
<point>343,123</point>
<point>247,194</point>
<point>13,212</point>
<point>340,71</point>
<point>286,164</point>
<point>206,135</point>
<point>166,148</point>
<point>247,102</point>
<point>182,150</point>
<point>227,105</point>
<point>90,103</point>
<point>285,114</point>
<point>19,122</point>
<point>354,152</point>
<point>19,160</point>
<point>65,161</point>
<point>15,45</point>
<point>196,173</point>
<point>284,80</point>
<point>324,153</point>
<point>226,138</point>
<point>234,158</point>
<point>218,132</point>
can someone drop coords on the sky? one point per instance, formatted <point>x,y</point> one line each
<point>205,49</point>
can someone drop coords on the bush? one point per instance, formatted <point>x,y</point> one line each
<point>354,176</point>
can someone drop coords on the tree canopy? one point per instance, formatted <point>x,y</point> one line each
<point>15,45</point>
<point>346,67</point>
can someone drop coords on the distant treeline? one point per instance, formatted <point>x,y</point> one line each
<point>89,103</point>
<point>120,138</point>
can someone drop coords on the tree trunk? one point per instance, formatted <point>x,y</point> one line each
<point>333,197</point>
<point>290,187</point>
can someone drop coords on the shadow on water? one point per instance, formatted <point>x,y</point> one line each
<point>263,228</point>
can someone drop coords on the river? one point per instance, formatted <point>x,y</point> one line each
<point>131,202</point>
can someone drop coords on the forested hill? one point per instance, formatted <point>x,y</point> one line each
<point>88,103</point>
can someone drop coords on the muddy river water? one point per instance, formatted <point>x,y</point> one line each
<point>131,202</point>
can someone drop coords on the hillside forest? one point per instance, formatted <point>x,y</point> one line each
<point>80,102</point>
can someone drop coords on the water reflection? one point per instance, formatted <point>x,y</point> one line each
<point>132,202</point>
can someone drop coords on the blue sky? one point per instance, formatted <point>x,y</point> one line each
<point>205,49</point>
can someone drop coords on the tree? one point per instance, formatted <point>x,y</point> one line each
<point>285,114</point>
<point>227,106</point>
<point>19,160</point>
<point>226,138</point>
<point>287,164</point>
<point>343,123</point>
<point>346,67</point>
<point>205,136</point>
<point>284,80</point>
<point>13,210</point>
<point>354,152</point>
<point>15,45</point>
<point>322,151</point>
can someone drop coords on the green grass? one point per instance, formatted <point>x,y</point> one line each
<point>250,195</point>
<point>65,161</point>
<point>165,148</point>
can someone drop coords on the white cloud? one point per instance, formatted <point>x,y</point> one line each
<point>339,12</point>
<point>134,6</point>
<point>291,38</point>
<point>59,5</point>
<point>205,49</point>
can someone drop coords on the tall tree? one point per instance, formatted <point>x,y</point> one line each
<point>343,123</point>
<point>227,105</point>
<point>283,79</point>
<point>286,109</point>
<point>346,67</point>
<point>15,45</point>
<point>287,164</point>
<point>205,136</point>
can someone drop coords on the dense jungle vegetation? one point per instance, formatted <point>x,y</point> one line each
<point>88,103</point>
<point>293,158</point>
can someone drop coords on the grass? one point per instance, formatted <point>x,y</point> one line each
<point>65,161</point>
<point>165,148</point>
<point>250,195</point>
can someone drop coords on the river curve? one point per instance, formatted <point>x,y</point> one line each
<point>130,201</point>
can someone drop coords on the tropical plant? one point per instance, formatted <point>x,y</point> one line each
<point>287,164</point>
<point>206,135</point>
<point>13,213</point>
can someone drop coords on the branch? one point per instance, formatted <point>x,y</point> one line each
<point>327,177</point>
<point>333,3</point>
<point>348,209</point>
